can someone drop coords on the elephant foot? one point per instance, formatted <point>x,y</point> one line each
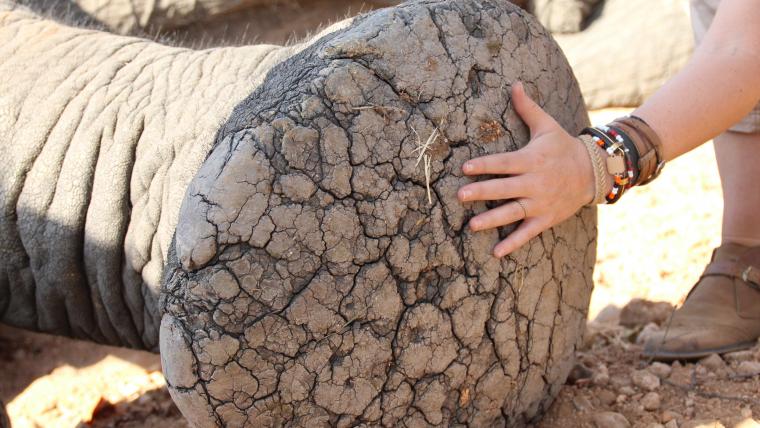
<point>321,271</point>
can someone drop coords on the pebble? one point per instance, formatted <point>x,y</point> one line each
<point>582,403</point>
<point>700,370</point>
<point>578,374</point>
<point>606,397</point>
<point>713,362</point>
<point>672,424</point>
<point>627,390</point>
<point>640,312</point>
<point>655,425</point>
<point>610,420</point>
<point>661,370</point>
<point>690,412</point>
<point>739,356</point>
<point>645,380</point>
<point>647,332</point>
<point>703,423</point>
<point>601,376</point>
<point>748,368</point>
<point>651,401</point>
<point>747,412</point>
<point>620,381</point>
<point>669,415</point>
<point>609,315</point>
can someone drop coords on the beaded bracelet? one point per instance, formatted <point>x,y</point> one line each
<point>619,164</point>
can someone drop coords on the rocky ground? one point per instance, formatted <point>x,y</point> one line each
<point>652,245</point>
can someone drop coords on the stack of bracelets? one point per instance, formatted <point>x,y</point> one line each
<point>634,156</point>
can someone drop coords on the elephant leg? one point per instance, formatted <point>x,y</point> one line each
<point>321,272</point>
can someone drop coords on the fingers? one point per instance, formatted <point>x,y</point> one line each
<point>502,215</point>
<point>499,163</point>
<point>527,230</point>
<point>531,113</point>
<point>495,189</point>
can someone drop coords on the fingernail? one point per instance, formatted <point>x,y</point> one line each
<point>465,194</point>
<point>467,167</point>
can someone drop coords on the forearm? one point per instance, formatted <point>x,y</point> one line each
<point>719,86</point>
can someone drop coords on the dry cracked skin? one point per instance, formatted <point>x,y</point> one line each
<point>311,282</point>
<point>303,264</point>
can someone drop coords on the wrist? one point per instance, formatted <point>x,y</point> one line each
<point>598,182</point>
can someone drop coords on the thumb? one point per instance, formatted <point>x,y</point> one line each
<point>531,113</point>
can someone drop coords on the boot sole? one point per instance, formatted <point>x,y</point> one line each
<point>694,355</point>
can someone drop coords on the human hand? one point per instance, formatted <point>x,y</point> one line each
<point>548,180</point>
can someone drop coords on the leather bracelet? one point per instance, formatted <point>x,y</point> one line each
<point>653,140</point>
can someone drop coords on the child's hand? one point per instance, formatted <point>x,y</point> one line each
<point>551,177</point>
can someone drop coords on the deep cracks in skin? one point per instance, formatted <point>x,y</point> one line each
<point>310,282</point>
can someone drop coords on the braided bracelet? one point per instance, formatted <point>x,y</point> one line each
<point>601,177</point>
<point>618,162</point>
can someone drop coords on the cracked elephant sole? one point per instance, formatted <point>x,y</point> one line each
<point>321,273</point>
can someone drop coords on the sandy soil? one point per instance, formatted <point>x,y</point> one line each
<point>653,244</point>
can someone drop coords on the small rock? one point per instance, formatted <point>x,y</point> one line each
<point>703,423</point>
<point>645,380</point>
<point>620,381</point>
<point>655,425</point>
<point>606,397</point>
<point>713,362</point>
<point>747,412</point>
<point>640,312</point>
<point>651,401</point>
<point>690,412</point>
<point>669,415</point>
<point>578,374</point>
<point>646,333</point>
<point>601,376</point>
<point>582,403</point>
<point>620,399</point>
<point>739,356</point>
<point>610,420</point>
<point>609,315</point>
<point>627,390</point>
<point>748,368</point>
<point>598,332</point>
<point>672,424</point>
<point>661,370</point>
<point>700,370</point>
<point>689,402</point>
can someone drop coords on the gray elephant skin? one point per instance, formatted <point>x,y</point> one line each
<point>281,223</point>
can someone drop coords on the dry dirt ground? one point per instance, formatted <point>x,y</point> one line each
<point>652,245</point>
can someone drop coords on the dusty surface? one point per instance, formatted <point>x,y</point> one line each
<point>682,227</point>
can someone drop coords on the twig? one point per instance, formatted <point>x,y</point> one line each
<point>425,157</point>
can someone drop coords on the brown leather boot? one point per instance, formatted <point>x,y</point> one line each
<point>721,312</point>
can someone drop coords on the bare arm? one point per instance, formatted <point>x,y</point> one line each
<point>715,90</point>
<point>719,85</point>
